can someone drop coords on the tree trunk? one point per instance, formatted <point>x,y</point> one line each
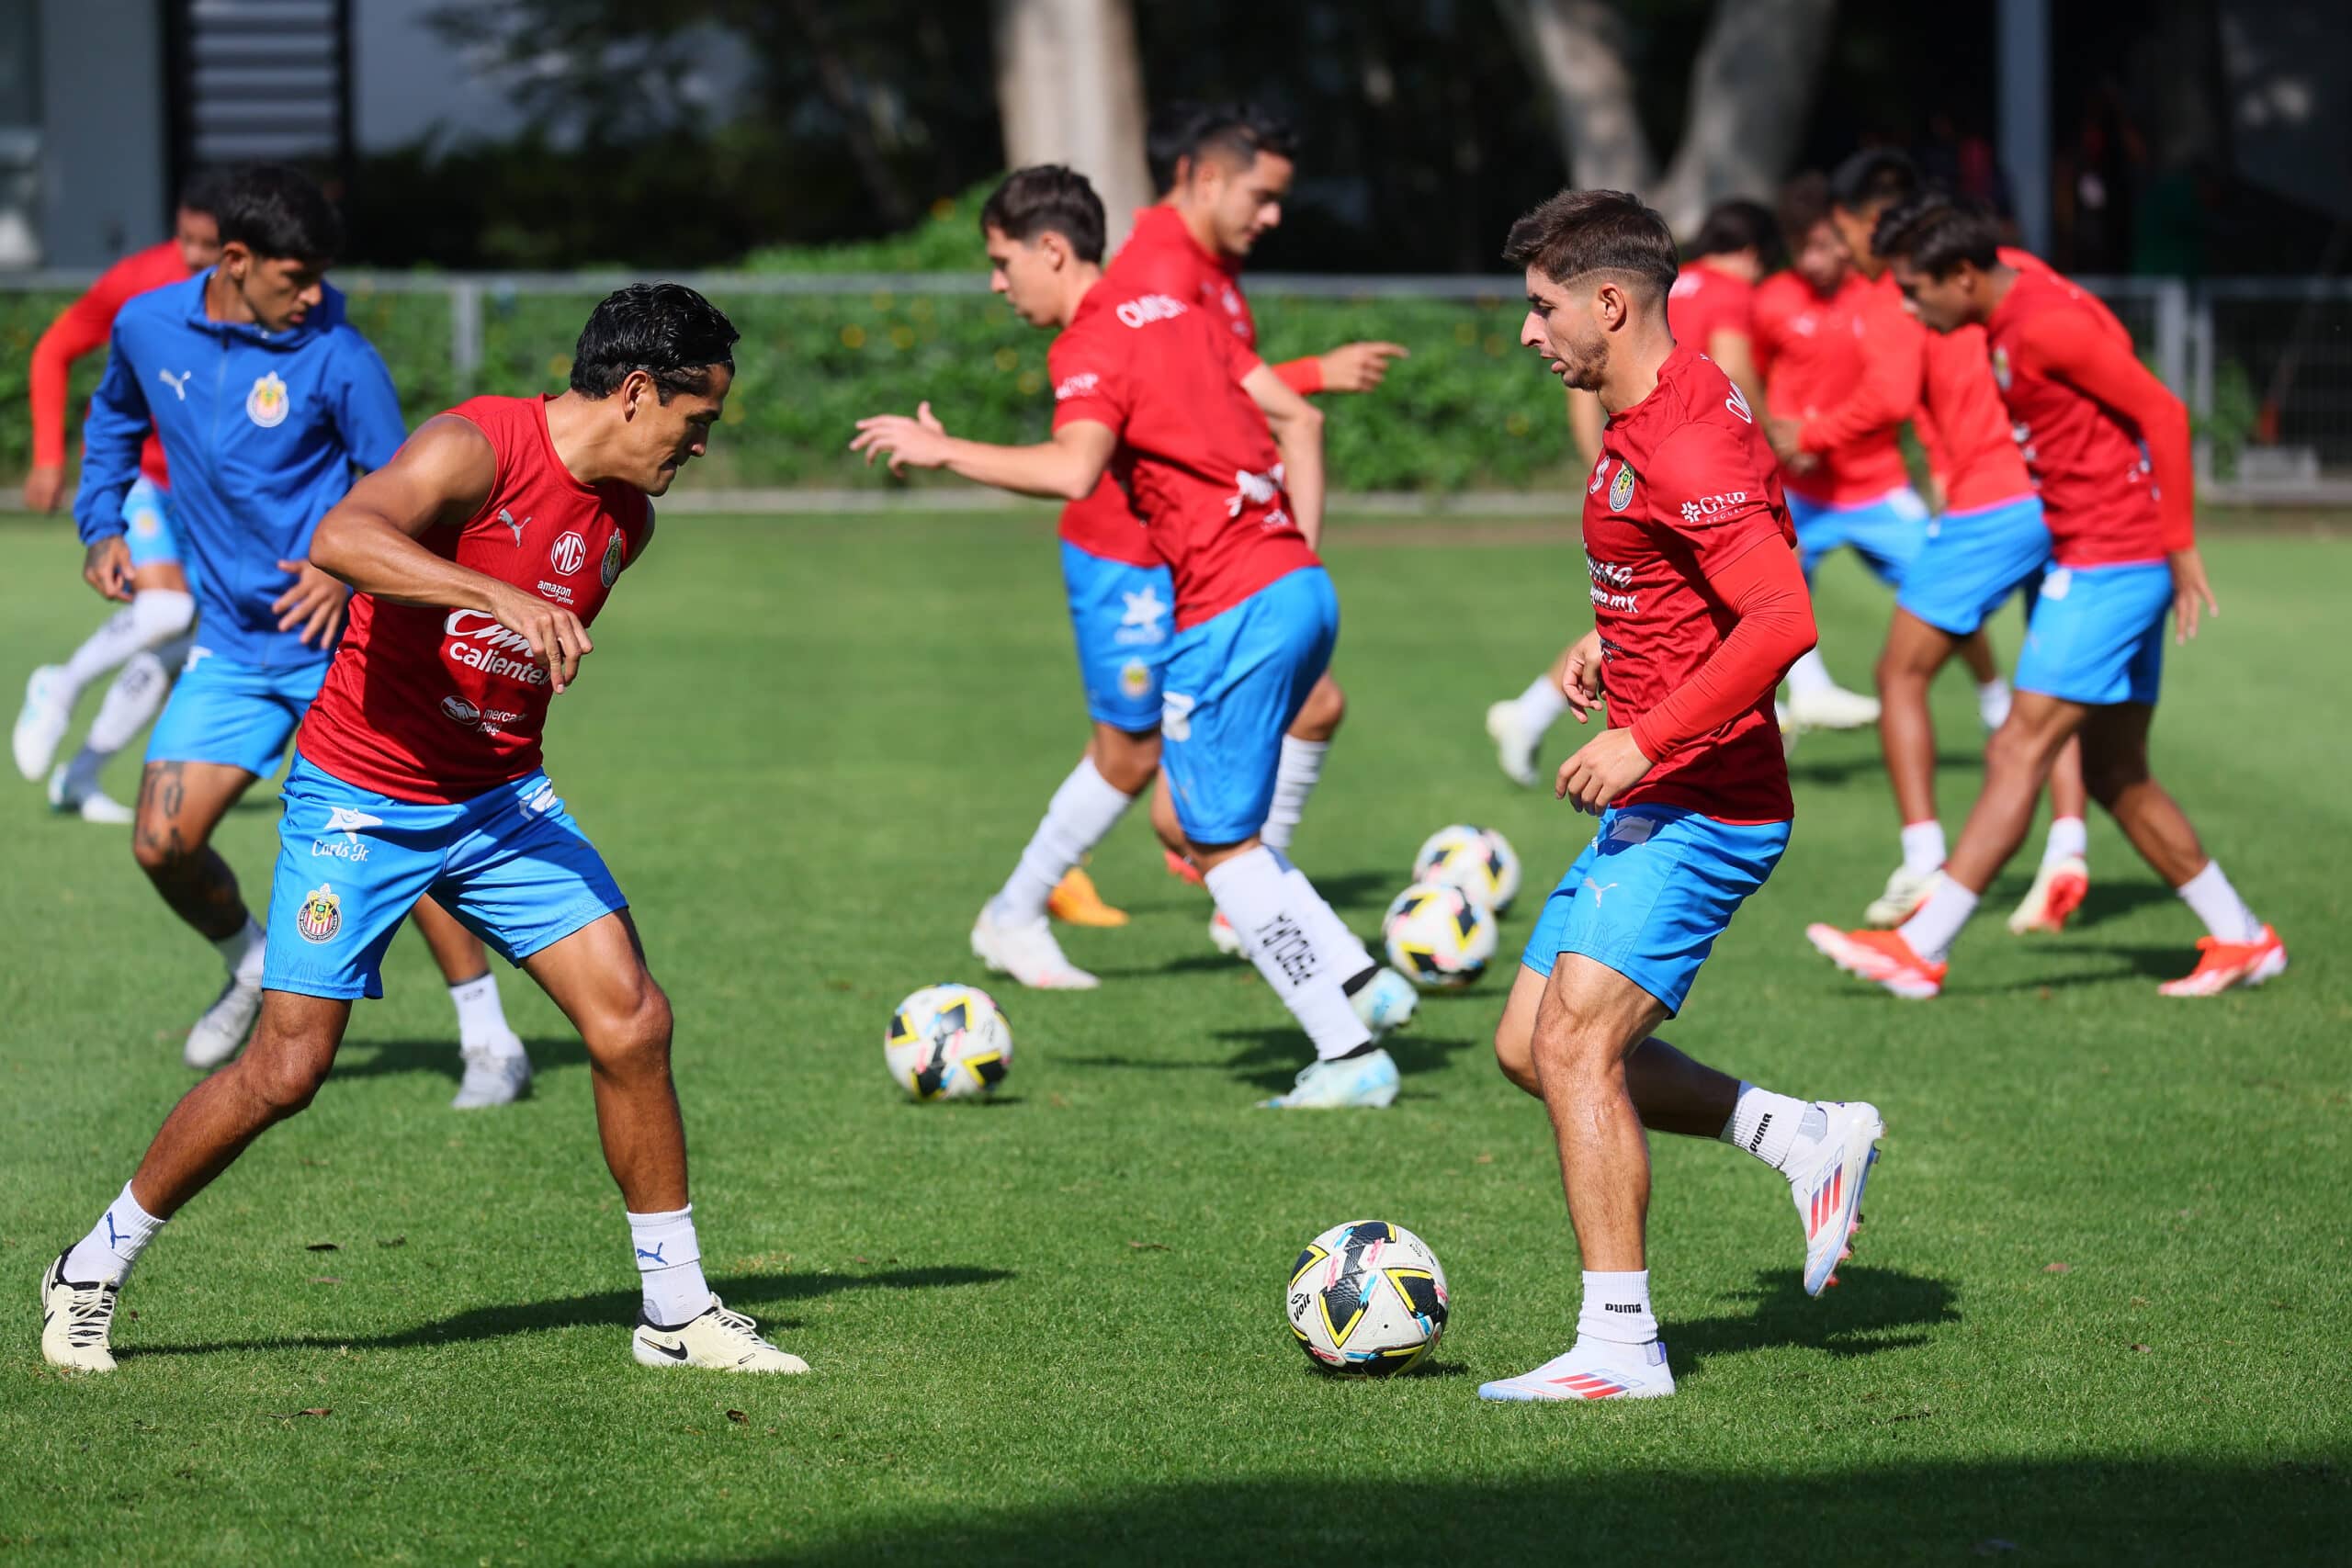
<point>1578,48</point>
<point>1070,90</point>
<point>1751,88</point>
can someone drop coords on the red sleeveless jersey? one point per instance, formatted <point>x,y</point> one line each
<point>435,704</point>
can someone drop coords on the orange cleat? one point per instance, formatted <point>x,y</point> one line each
<point>1184,870</point>
<point>1881,957</point>
<point>1075,902</point>
<point>2223,964</point>
<point>2057,892</point>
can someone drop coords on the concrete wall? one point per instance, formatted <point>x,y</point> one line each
<point>101,159</point>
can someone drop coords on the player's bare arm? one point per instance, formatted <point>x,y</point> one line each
<point>1066,467</point>
<point>439,478</point>
<point>1580,675</point>
<point>1298,427</point>
<point>1359,366</point>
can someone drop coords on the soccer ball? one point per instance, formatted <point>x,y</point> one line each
<point>1439,935</point>
<point>1367,1299</point>
<point>1476,860</point>
<point>948,1043</point>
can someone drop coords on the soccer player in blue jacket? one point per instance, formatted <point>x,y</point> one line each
<point>265,397</point>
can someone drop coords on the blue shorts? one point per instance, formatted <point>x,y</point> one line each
<point>1973,561</point>
<point>1121,615</point>
<point>239,715</point>
<point>1886,532</point>
<point>147,525</point>
<point>510,864</point>
<point>2097,634</point>
<point>1235,682</point>
<point>1652,892</point>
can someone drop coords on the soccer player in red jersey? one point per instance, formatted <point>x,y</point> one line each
<point>2109,445</point>
<point>1699,606</point>
<point>480,554</point>
<point>149,636</point>
<point>1708,308</point>
<point>1224,462</point>
<point>1858,494</point>
<point>1988,543</point>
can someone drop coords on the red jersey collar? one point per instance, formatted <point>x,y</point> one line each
<point>1164,227</point>
<point>1682,355</point>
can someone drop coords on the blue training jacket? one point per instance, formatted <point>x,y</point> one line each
<point>261,430</point>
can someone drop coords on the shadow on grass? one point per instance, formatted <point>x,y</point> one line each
<point>608,1309</point>
<point>1271,1058</point>
<point>1575,1504</point>
<point>2109,900</point>
<point>375,1058</point>
<point>1815,767</point>
<point>1869,1311</point>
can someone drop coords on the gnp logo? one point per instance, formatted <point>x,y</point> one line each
<point>479,642</point>
<point>1076,385</point>
<point>1711,505</point>
<point>1146,308</point>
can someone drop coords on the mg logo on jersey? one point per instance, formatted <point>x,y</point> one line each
<point>1146,308</point>
<point>479,642</point>
<point>569,553</point>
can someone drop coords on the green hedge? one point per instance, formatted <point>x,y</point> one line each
<point>1469,409</point>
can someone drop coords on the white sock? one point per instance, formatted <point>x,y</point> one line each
<point>1350,957</point>
<point>1769,1126</point>
<point>243,951</point>
<point>1543,702</point>
<point>1923,847</point>
<point>1294,777</point>
<point>136,697</point>
<point>153,616</point>
<point>480,1020</point>
<point>1993,703</point>
<point>1083,811</point>
<point>1931,930</point>
<point>1810,674</point>
<point>2069,838</point>
<point>1286,929</point>
<point>2218,905</point>
<point>114,1244</point>
<point>668,1267</point>
<point>1617,1309</point>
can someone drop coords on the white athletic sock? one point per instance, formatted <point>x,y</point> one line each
<point>1350,957</point>
<point>2069,838</point>
<point>1286,929</point>
<point>114,1244</point>
<point>1923,847</point>
<point>668,1267</point>
<point>1771,1125</point>
<point>136,697</point>
<point>243,951</point>
<point>154,615</point>
<point>1543,702</point>
<point>1294,777</point>
<point>1617,1309</point>
<point>1810,674</point>
<point>1993,703</point>
<point>480,1020</point>
<point>1083,811</point>
<point>2218,905</point>
<point>1931,930</point>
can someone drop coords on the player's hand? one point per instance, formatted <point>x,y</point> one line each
<point>918,443</point>
<point>1580,675</point>
<point>556,639</point>
<point>315,603</point>
<point>2190,593</point>
<point>1359,366</point>
<point>1602,769</point>
<point>44,486</point>
<point>1783,433</point>
<point>106,566</point>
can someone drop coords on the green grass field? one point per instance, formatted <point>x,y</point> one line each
<point>2100,1311</point>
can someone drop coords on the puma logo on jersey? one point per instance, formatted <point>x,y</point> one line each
<point>179,383</point>
<point>1598,889</point>
<point>508,518</point>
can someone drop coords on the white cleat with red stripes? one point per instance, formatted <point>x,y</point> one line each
<point>1589,1372</point>
<point>1826,1182</point>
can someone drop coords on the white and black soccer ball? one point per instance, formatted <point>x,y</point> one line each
<point>1367,1299</point>
<point>1479,861</point>
<point>948,1043</point>
<point>1438,935</point>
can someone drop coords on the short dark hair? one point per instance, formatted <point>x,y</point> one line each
<point>1734,225</point>
<point>1804,206</point>
<point>1937,234</point>
<point>275,210</point>
<point>666,330</point>
<point>1874,179</point>
<point>206,192</point>
<point>1188,131</point>
<point>1580,231</point>
<point>1047,198</point>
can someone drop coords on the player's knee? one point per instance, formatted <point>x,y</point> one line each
<point>1571,1053</point>
<point>284,1077</point>
<point>1325,708</point>
<point>1515,1056</point>
<point>635,1036</point>
<point>158,847</point>
<point>1127,765</point>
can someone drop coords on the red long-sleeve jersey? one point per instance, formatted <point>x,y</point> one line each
<point>82,328</point>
